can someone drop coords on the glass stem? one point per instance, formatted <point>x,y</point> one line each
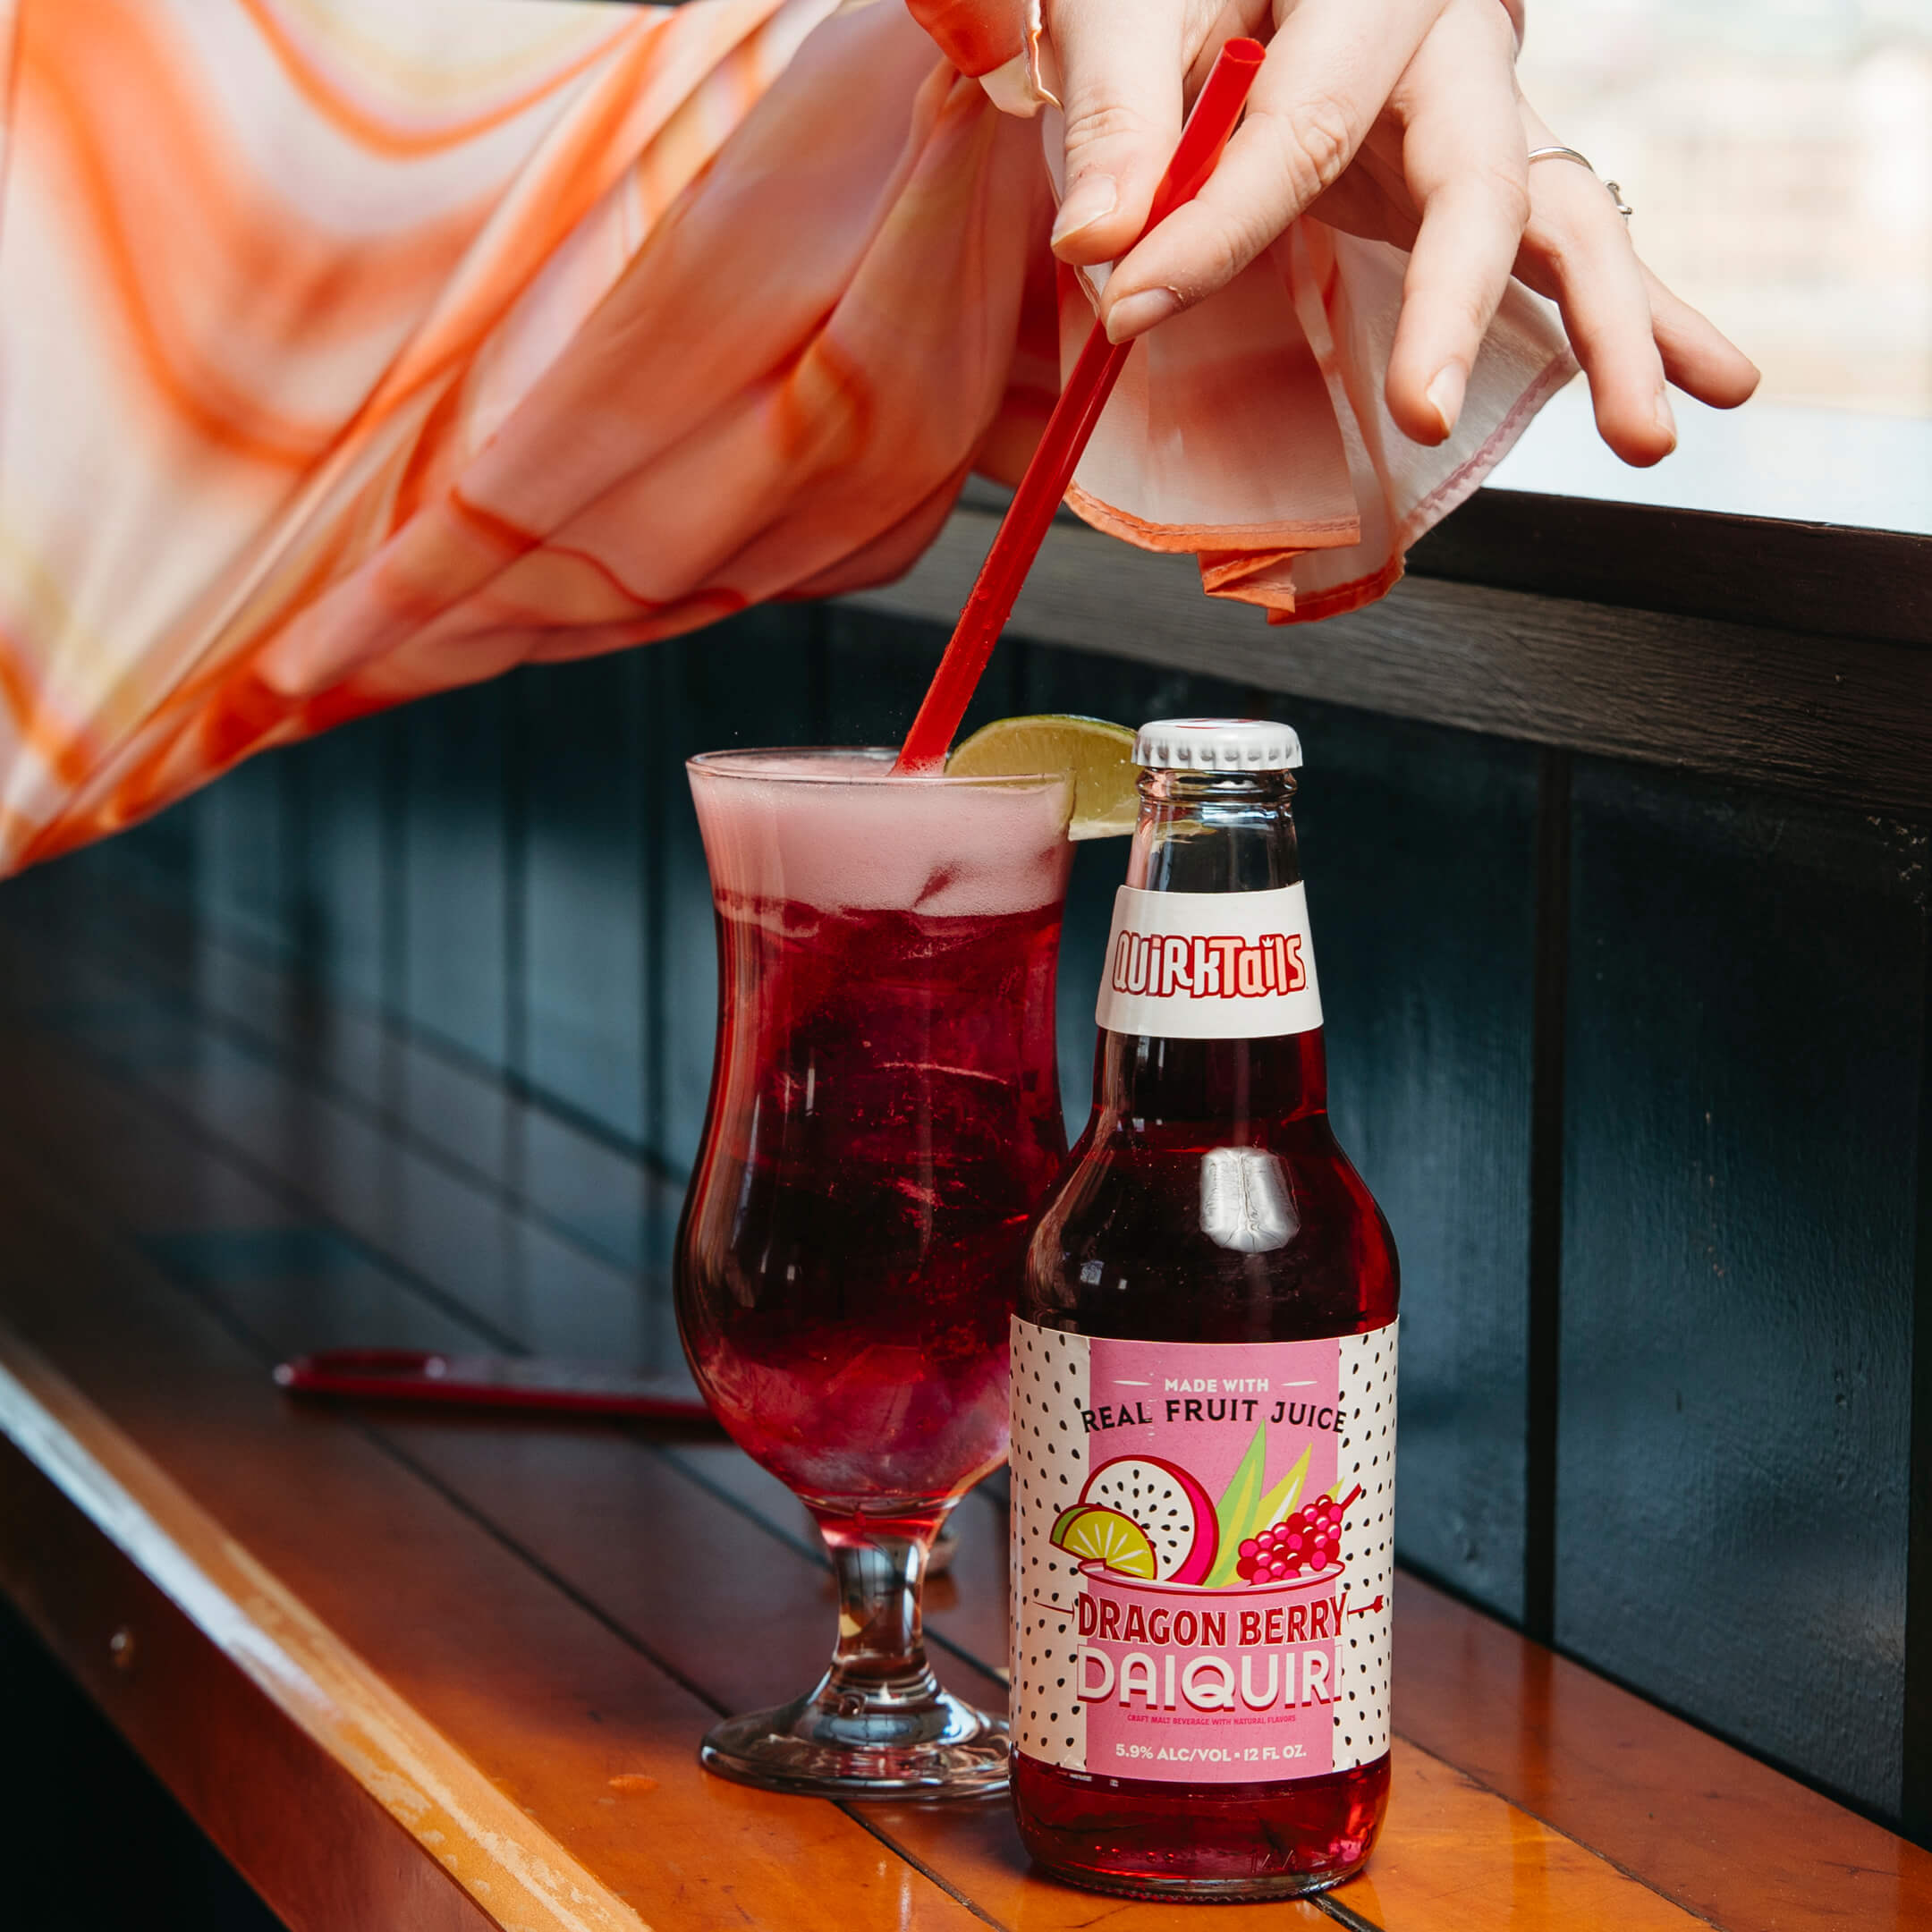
<point>881,1654</point>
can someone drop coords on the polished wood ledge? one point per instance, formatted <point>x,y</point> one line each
<point>432,1672</point>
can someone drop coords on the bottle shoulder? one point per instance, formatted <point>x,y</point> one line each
<point>1156,1230</point>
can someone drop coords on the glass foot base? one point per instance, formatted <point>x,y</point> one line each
<point>846,1748</point>
<point>1203,1891</point>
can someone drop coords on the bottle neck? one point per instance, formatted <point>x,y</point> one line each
<point>1202,831</point>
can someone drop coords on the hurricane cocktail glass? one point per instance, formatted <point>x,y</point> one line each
<point>885,1115</point>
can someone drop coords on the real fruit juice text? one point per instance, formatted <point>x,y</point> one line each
<point>1204,1385</point>
<point>884,1116</point>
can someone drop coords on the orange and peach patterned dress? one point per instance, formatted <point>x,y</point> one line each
<point>351,349</point>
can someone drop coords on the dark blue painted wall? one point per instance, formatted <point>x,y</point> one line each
<point>1746,995</point>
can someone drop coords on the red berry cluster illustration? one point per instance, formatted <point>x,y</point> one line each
<point>1306,1541</point>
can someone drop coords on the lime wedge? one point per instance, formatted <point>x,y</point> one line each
<point>1118,1541</point>
<point>1099,758</point>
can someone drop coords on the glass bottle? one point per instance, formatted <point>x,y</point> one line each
<point>1204,1389</point>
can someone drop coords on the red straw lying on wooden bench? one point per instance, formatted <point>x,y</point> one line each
<point>1024,527</point>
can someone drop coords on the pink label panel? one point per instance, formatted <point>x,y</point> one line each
<point>1188,1609</point>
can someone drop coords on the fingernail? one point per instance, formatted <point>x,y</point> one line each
<point>1445,395</point>
<point>1666,421</point>
<point>1091,198</point>
<point>1134,315</point>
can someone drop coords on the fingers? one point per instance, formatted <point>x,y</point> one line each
<point>1442,69</point>
<point>1329,69</point>
<point>1579,251</point>
<point>1463,153</point>
<point>1697,356</point>
<point>1119,83</point>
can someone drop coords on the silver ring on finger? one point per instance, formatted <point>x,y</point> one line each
<point>1555,153</point>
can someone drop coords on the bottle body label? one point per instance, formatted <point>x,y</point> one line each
<point>1203,1553</point>
<point>1209,965</point>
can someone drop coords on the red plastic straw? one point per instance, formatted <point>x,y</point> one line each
<point>1041,489</point>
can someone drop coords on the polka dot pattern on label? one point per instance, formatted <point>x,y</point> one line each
<point>1050,1387</point>
<point>1367,1457</point>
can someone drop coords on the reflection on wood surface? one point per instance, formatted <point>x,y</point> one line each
<point>512,1866</point>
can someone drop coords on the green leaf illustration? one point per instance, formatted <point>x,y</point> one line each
<point>1236,1505</point>
<point>1279,1500</point>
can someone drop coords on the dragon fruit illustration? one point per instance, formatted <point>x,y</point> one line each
<point>1176,1514</point>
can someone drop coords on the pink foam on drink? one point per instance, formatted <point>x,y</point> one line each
<point>837,831</point>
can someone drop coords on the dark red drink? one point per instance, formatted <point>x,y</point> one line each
<point>1215,1286</point>
<point>887,1119</point>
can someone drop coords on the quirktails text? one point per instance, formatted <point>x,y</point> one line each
<point>1225,967</point>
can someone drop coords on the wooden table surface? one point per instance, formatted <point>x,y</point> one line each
<point>428,1672</point>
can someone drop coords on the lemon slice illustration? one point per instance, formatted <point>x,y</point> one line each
<point>1118,1541</point>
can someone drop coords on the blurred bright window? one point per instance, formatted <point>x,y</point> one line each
<point>1778,154</point>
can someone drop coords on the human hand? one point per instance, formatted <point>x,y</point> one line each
<point>1399,120</point>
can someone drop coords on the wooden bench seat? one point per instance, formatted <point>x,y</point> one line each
<point>424,1671</point>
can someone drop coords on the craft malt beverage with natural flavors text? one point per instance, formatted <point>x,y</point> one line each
<point>1204,1389</point>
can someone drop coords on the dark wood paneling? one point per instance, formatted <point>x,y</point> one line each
<point>1824,714</point>
<point>877,666</point>
<point>746,682</point>
<point>1917,1806</point>
<point>529,1287</point>
<point>1543,1326</point>
<point>458,890</point>
<point>1745,570</point>
<point>167,845</point>
<point>344,781</point>
<point>242,881</point>
<point>1826,579</point>
<point>1419,846</point>
<point>306,1286</point>
<point>564,1173</point>
<point>1743,1095</point>
<point>586,777</point>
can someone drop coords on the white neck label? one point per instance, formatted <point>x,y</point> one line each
<point>1209,965</point>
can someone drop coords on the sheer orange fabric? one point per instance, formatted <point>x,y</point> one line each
<point>355,349</point>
